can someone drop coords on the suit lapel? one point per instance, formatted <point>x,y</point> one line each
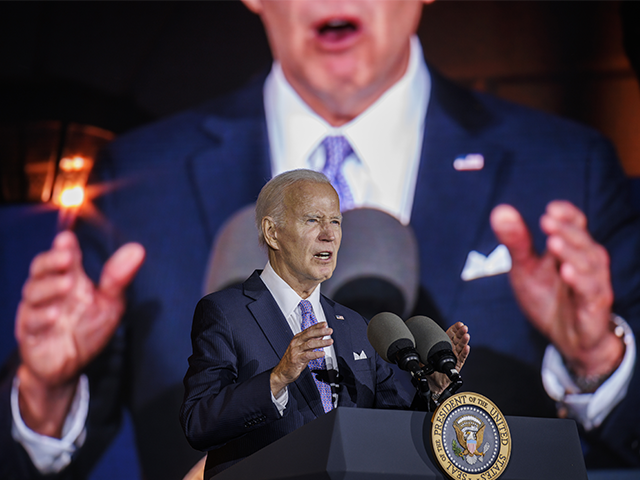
<point>453,129</point>
<point>228,174</point>
<point>345,345</point>
<point>342,341</point>
<point>276,330</point>
<point>268,315</point>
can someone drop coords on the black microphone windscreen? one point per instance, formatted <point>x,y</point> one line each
<point>387,331</point>
<point>428,335</point>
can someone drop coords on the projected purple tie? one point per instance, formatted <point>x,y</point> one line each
<point>337,149</point>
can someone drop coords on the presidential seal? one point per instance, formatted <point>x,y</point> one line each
<point>470,438</point>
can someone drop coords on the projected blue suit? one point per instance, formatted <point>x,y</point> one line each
<point>180,179</point>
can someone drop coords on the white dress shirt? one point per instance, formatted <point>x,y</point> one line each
<point>386,138</point>
<point>288,301</point>
<point>382,173</point>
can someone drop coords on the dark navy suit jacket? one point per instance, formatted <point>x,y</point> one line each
<point>174,183</point>
<point>238,336</point>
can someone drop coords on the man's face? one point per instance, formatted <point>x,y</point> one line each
<point>309,238</point>
<point>340,55</point>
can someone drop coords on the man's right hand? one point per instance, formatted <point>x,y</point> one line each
<point>301,350</point>
<point>63,322</point>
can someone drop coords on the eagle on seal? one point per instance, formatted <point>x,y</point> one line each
<point>469,440</point>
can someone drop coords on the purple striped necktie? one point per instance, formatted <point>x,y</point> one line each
<point>337,149</point>
<point>308,319</point>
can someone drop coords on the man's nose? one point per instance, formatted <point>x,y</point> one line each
<point>327,232</point>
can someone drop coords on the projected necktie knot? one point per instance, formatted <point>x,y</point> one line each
<point>337,150</point>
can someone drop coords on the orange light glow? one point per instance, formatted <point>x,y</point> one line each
<point>72,197</point>
<point>74,164</point>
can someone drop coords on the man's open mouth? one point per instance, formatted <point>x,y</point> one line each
<point>323,255</point>
<point>337,29</point>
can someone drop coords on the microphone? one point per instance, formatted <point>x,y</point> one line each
<point>433,346</point>
<point>393,341</point>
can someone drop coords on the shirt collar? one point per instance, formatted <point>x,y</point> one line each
<point>376,135</point>
<point>286,298</point>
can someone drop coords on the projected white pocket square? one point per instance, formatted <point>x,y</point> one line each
<point>478,266</point>
<point>359,356</point>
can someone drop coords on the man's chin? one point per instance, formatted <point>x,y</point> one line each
<point>342,76</point>
<point>323,276</point>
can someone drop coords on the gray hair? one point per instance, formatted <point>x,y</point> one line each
<point>270,201</point>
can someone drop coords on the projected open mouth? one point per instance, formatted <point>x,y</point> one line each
<point>338,31</point>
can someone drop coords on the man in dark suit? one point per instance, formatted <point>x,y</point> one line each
<point>351,69</point>
<point>250,377</point>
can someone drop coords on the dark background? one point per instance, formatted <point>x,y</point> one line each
<point>120,64</point>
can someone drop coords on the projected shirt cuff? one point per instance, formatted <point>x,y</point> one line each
<point>590,409</point>
<point>48,454</point>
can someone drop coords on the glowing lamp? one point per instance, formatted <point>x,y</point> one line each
<point>72,197</point>
<point>81,146</point>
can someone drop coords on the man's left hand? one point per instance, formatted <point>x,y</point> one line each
<point>458,333</point>
<point>566,292</point>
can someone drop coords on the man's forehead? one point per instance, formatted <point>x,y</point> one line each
<point>306,191</point>
<point>309,199</point>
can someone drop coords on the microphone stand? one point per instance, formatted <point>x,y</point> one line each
<point>409,360</point>
<point>419,380</point>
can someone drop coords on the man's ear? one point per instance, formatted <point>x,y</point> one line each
<point>254,5</point>
<point>270,232</point>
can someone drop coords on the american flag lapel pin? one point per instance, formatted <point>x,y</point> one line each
<point>472,161</point>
